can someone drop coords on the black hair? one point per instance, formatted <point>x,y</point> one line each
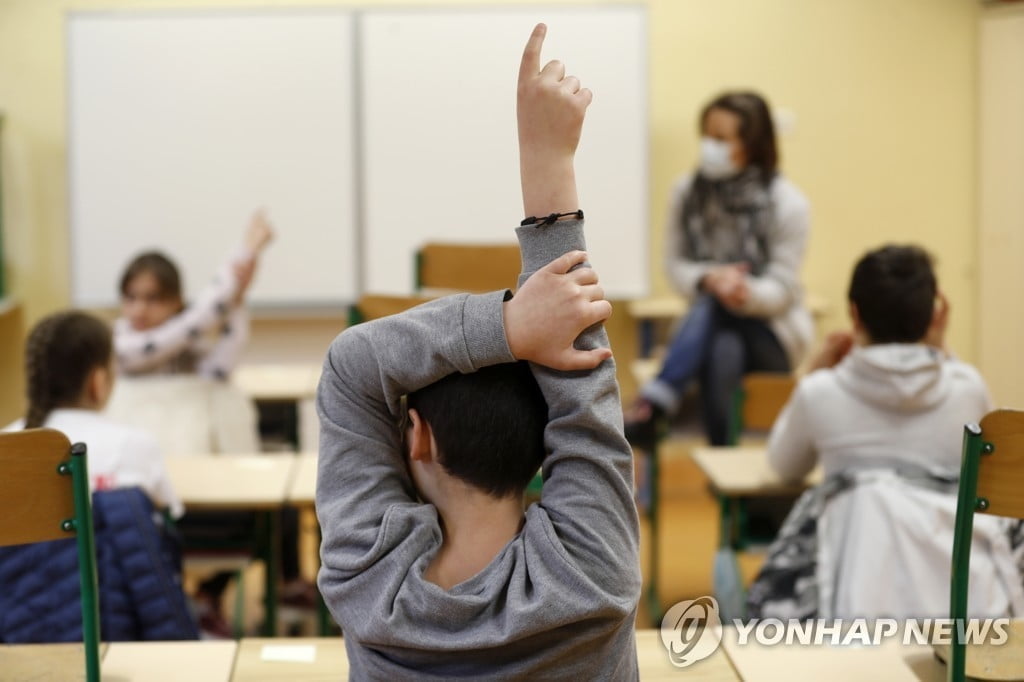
<point>161,267</point>
<point>61,351</point>
<point>757,131</point>
<point>894,290</point>
<point>488,426</point>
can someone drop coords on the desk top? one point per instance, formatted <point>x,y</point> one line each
<point>277,382</point>
<point>44,662</point>
<point>325,659</point>
<point>654,664</point>
<point>745,472</point>
<point>890,661</point>
<point>232,481</point>
<point>329,661</point>
<point>987,661</point>
<point>303,486</point>
<point>673,306</point>
<point>196,661</point>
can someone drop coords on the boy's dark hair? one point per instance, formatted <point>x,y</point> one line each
<point>894,290</point>
<point>61,351</point>
<point>161,267</point>
<point>757,130</point>
<point>488,425</point>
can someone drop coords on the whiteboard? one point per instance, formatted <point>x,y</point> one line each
<point>181,123</point>
<point>440,157</point>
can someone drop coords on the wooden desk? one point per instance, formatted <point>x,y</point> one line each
<point>290,383</point>
<point>330,662</point>
<point>241,482</point>
<point>654,664</point>
<point>737,474</point>
<point>302,491</point>
<point>196,661</point>
<point>43,662</point>
<point>987,661</point>
<point>745,472</point>
<point>222,482</point>
<point>287,383</point>
<point>671,307</point>
<point>278,382</point>
<point>890,661</point>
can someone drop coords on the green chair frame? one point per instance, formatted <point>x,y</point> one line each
<point>991,482</point>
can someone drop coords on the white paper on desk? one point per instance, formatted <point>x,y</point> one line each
<point>293,653</point>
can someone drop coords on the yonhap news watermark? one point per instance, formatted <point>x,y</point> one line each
<point>692,630</point>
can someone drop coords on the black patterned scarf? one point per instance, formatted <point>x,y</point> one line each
<point>728,221</point>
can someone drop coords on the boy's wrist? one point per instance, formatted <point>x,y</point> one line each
<point>549,185</point>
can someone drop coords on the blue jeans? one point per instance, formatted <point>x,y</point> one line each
<point>715,347</point>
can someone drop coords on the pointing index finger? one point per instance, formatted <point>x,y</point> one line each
<point>530,65</point>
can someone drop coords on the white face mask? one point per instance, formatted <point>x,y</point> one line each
<point>715,159</point>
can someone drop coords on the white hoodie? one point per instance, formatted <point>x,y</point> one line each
<point>883,402</point>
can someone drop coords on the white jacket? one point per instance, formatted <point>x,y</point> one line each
<point>883,402</point>
<point>885,551</point>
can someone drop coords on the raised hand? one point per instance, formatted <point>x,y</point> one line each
<point>550,311</point>
<point>550,109</point>
<point>244,271</point>
<point>837,345</point>
<point>259,233</point>
<point>936,335</point>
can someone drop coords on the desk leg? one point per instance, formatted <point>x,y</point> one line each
<point>727,579</point>
<point>271,558</point>
<point>646,338</point>
<point>653,598</point>
<point>324,620</point>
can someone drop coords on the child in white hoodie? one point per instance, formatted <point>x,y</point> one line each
<point>883,411</point>
<point>887,391</point>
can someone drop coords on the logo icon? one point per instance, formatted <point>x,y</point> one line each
<point>691,631</point>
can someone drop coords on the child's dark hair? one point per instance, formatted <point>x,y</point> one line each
<point>488,425</point>
<point>757,130</point>
<point>61,351</point>
<point>894,290</point>
<point>160,266</point>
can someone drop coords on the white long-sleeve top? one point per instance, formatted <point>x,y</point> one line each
<point>118,456</point>
<point>775,295</point>
<point>206,338</point>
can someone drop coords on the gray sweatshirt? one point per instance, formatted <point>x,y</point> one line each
<point>559,601</point>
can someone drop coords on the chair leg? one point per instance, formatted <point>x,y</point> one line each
<point>238,618</point>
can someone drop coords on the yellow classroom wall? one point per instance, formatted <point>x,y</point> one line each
<point>882,94</point>
<point>1001,214</point>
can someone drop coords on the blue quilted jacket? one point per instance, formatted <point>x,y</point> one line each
<point>139,573</point>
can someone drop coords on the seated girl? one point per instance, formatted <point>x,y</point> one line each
<point>177,356</point>
<point>69,376</point>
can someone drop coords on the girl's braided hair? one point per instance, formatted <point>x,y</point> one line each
<point>61,351</point>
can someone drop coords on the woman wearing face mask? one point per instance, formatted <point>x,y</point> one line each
<point>734,244</point>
